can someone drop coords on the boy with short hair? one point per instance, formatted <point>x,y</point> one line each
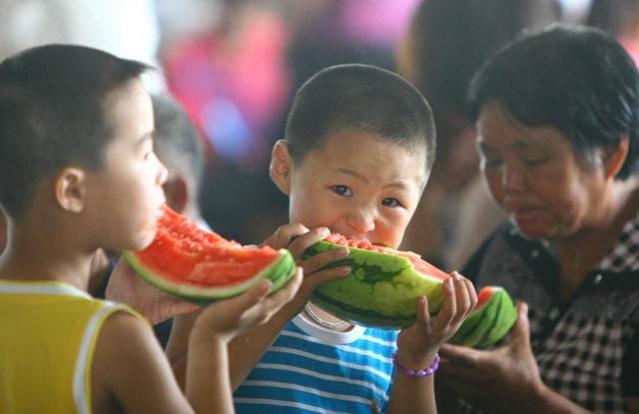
<point>360,143</point>
<point>78,173</point>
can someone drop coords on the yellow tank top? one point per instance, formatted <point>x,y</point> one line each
<point>48,332</point>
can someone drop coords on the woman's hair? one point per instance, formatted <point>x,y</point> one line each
<point>575,79</point>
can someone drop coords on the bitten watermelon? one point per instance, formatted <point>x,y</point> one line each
<point>202,266</point>
<point>383,287</point>
<point>489,322</point>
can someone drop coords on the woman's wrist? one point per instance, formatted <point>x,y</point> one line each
<point>542,398</point>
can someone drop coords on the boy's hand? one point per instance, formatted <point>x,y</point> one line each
<point>228,318</point>
<point>297,238</point>
<point>156,306</point>
<point>417,344</point>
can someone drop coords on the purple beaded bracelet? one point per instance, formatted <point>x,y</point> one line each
<point>419,374</point>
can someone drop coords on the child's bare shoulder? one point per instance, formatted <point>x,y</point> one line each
<point>129,367</point>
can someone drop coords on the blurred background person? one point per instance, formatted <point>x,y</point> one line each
<point>179,147</point>
<point>234,65</point>
<point>620,19</point>
<point>127,29</point>
<point>446,43</point>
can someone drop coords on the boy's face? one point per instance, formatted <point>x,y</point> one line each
<point>358,185</point>
<point>127,192</point>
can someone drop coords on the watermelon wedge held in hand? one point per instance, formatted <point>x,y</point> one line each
<point>489,322</point>
<point>202,266</point>
<point>383,287</point>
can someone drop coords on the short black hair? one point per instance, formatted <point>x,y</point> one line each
<point>578,80</point>
<point>176,140</point>
<point>361,97</point>
<point>52,114</point>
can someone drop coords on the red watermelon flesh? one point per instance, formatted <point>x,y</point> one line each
<point>201,265</point>
<point>420,264</point>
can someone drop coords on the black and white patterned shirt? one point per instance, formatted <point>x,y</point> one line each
<point>587,348</point>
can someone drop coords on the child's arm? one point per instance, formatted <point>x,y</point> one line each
<point>130,371</point>
<point>418,344</point>
<point>246,350</point>
<point>177,347</point>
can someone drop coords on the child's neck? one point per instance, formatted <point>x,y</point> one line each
<point>35,254</point>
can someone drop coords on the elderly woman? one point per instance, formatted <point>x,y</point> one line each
<point>557,118</point>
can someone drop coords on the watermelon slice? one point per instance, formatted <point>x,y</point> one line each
<point>383,287</point>
<point>202,266</point>
<point>489,322</point>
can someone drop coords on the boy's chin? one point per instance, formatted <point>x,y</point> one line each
<point>141,242</point>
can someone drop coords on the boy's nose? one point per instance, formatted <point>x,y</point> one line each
<point>361,222</point>
<point>163,173</point>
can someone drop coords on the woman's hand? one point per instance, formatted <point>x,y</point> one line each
<point>417,344</point>
<point>505,379</point>
<point>297,238</point>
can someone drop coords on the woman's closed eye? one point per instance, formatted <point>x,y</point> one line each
<point>490,162</point>
<point>532,161</point>
<point>342,190</point>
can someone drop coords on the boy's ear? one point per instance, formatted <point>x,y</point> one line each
<point>615,158</point>
<point>70,189</point>
<point>281,166</point>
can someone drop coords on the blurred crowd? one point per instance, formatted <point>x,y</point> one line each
<point>234,65</point>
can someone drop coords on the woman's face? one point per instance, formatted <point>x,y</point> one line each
<point>535,175</point>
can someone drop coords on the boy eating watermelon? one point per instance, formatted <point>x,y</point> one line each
<point>360,143</point>
<point>78,173</point>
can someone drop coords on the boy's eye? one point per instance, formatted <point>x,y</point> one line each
<point>342,190</point>
<point>391,202</point>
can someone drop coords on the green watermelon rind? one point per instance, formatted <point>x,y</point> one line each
<point>490,324</point>
<point>474,319</point>
<point>278,272</point>
<point>374,278</point>
<point>505,320</point>
<point>487,321</point>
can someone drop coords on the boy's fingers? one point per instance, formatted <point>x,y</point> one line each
<point>321,260</point>
<point>181,307</point>
<point>251,297</point>
<point>302,242</point>
<point>423,313</point>
<point>472,294</point>
<point>285,234</point>
<point>462,299</point>
<point>325,276</point>
<point>449,307</point>
<point>265,308</point>
<point>288,291</point>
